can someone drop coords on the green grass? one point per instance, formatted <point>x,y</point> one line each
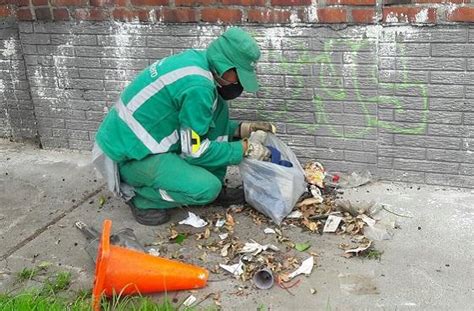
<point>36,301</point>
<point>372,253</point>
<point>60,282</point>
<point>27,274</point>
<point>54,295</point>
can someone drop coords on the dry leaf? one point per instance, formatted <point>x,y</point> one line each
<point>203,257</point>
<point>311,225</point>
<point>308,201</point>
<point>217,298</point>
<point>284,277</point>
<point>225,250</point>
<point>229,220</point>
<point>173,234</point>
<point>207,233</point>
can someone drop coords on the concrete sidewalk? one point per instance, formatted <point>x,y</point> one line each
<point>427,265</point>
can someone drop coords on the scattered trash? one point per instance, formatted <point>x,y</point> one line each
<point>369,221</point>
<point>154,252</point>
<point>312,291</point>
<point>263,279</point>
<point>193,220</point>
<point>357,208</point>
<point>269,231</point>
<point>295,214</point>
<point>332,223</point>
<point>236,269</point>
<point>220,223</point>
<point>189,301</point>
<point>223,236</point>
<point>377,233</point>
<point>128,272</point>
<point>305,268</point>
<point>352,180</point>
<point>308,201</point>
<point>315,173</point>
<point>316,193</point>
<point>359,249</point>
<point>255,248</point>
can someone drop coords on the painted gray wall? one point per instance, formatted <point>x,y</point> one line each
<point>17,119</point>
<point>398,101</point>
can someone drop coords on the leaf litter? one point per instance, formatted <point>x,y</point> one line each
<point>318,211</point>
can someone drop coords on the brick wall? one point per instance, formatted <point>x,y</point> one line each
<point>390,90</point>
<point>245,11</point>
<point>17,119</point>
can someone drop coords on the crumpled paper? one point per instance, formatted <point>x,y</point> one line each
<point>255,248</point>
<point>194,221</point>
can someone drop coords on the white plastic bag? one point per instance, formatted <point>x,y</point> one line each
<point>270,188</point>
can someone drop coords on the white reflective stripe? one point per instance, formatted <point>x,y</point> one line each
<point>141,97</point>
<point>142,134</point>
<point>214,105</point>
<point>186,143</point>
<point>222,138</point>
<point>165,195</point>
<point>202,148</point>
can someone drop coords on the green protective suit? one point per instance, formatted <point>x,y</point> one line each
<point>170,134</point>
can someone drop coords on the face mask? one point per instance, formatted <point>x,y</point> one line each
<point>231,91</point>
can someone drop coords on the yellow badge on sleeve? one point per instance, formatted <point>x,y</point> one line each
<point>195,142</point>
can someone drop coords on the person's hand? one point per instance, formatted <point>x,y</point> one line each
<point>255,150</point>
<point>246,128</point>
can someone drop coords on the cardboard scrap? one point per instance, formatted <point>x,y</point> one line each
<point>332,223</point>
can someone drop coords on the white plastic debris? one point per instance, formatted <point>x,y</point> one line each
<point>368,220</point>
<point>358,249</point>
<point>223,236</point>
<point>305,268</point>
<point>255,248</point>
<point>332,223</point>
<point>269,231</point>
<point>154,252</point>
<point>377,233</point>
<point>220,223</point>
<point>316,193</point>
<point>193,220</point>
<point>189,301</point>
<point>236,269</point>
<point>295,214</point>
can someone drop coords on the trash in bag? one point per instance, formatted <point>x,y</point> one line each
<point>272,188</point>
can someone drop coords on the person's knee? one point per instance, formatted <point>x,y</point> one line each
<point>207,192</point>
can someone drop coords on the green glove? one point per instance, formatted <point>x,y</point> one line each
<point>246,128</point>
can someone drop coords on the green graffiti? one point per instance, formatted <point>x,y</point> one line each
<point>331,89</point>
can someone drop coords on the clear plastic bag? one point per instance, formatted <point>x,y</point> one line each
<point>270,188</point>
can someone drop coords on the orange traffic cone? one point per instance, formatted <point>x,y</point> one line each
<point>121,271</point>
